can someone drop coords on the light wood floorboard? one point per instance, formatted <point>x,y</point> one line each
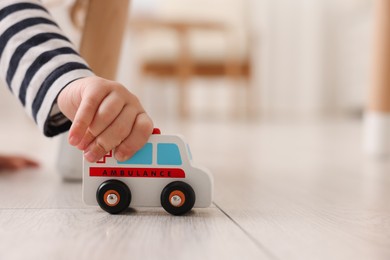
<point>140,234</point>
<point>306,192</point>
<point>282,191</point>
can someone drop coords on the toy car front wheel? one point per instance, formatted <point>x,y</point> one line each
<point>113,196</point>
<point>177,198</point>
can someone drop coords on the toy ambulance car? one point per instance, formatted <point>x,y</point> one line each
<point>160,174</point>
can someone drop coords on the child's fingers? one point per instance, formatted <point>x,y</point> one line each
<point>109,109</point>
<point>112,136</point>
<point>16,162</point>
<point>30,163</point>
<point>140,133</point>
<point>87,139</point>
<point>84,115</point>
<point>104,114</point>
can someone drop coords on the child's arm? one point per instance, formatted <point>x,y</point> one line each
<point>38,63</point>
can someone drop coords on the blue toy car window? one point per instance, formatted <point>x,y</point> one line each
<point>168,154</point>
<point>143,156</point>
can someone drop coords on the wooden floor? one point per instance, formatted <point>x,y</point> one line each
<point>282,191</point>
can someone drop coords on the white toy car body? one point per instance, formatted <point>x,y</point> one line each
<point>159,174</point>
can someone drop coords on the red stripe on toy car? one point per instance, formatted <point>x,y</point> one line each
<point>136,172</point>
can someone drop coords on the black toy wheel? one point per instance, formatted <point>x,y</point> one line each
<point>177,198</point>
<point>113,196</point>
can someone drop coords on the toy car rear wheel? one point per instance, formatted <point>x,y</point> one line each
<point>177,198</point>
<point>113,196</point>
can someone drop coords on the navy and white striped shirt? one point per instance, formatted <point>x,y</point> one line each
<point>37,61</point>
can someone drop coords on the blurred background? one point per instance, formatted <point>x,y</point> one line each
<point>299,59</point>
<point>240,60</point>
<point>251,59</point>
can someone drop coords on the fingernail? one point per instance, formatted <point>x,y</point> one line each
<point>119,156</point>
<point>90,156</point>
<point>74,140</point>
<point>82,145</point>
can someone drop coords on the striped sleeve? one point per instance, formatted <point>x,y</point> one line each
<point>37,61</point>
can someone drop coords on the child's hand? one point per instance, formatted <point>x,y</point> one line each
<point>105,116</point>
<point>14,163</point>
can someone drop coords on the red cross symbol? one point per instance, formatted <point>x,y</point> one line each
<point>103,160</point>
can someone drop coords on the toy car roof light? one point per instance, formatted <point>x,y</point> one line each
<point>156,131</point>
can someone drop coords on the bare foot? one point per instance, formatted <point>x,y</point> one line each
<point>14,163</point>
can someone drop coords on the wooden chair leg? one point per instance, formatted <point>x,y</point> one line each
<point>377,117</point>
<point>250,98</point>
<point>184,72</point>
<point>103,34</point>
